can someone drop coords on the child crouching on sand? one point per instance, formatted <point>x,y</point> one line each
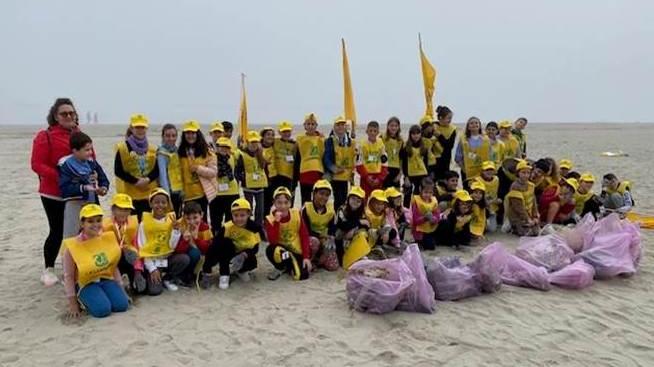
<point>319,215</point>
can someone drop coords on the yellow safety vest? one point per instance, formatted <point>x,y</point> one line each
<point>424,208</point>
<point>511,147</point>
<point>174,171</point>
<point>492,188</point>
<point>581,199</point>
<point>371,155</point>
<point>157,236</point>
<point>623,187</point>
<point>227,187</point>
<point>344,158</point>
<point>269,155</point>
<point>376,220</point>
<point>289,232</point>
<point>311,149</point>
<point>284,157</point>
<point>130,161</point>
<point>124,236</point>
<point>497,152</point>
<point>527,197</point>
<point>431,157</point>
<point>255,174</point>
<point>473,158</point>
<point>416,163</point>
<point>446,131</point>
<point>242,238</point>
<point>319,222</point>
<point>95,258</point>
<point>190,180</point>
<point>478,221</point>
<point>393,147</point>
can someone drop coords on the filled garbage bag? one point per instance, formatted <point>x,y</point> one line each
<point>550,251</point>
<point>454,282</point>
<point>612,255</point>
<point>581,235</point>
<point>514,270</point>
<point>577,275</point>
<point>490,276</point>
<point>420,296</point>
<point>378,286</point>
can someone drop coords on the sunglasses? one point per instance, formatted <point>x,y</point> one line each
<point>67,114</point>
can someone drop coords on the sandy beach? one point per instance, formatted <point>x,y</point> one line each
<point>286,323</point>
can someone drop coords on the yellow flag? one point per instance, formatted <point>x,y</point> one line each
<point>428,79</point>
<point>348,96</point>
<point>243,113</point>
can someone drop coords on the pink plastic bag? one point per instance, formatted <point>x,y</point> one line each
<point>490,276</point>
<point>452,280</point>
<point>581,235</point>
<point>514,270</point>
<point>550,251</point>
<point>612,255</point>
<point>577,275</point>
<point>420,296</point>
<point>378,286</point>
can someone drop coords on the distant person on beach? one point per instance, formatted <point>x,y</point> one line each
<point>135,164</point>
<point>48,147</point>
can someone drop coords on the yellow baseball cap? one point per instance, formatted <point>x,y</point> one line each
<point>565,163</point>
<point>462,195</point>
<point>522,164</point>
<point>587,177</point>
<point>426,119</point>
<point>392,192</point>
<point>379,195</point>
<point>191,125</point>
<point>90,210</point>
<point>505,124</point>
<point>311,116</point>
<point>322,184</point>
<point>476,185</point>
<point>285,126</point>
<point>488,165</point>
<point>357,191</point>
<point>241,203</point>
<point>253,136</point>
<point>217,126</point>
<point>138,120</point>
<point>122,201</point>
<point>160,191</point>
<point>224,142</point>
<point>282,190</point>
<point>340,119</point>
<point>572,183</point>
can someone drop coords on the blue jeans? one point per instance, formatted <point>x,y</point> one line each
<point>194,255</point>
<point>103,298</point>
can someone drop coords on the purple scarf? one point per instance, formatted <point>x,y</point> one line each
<point>140,146</point>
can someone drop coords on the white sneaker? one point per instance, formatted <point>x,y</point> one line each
<point>244,277</point>
<point>170,285</point>
<point>48,278</point>
<point>223,282</point>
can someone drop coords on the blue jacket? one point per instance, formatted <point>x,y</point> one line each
<point>71,183</point>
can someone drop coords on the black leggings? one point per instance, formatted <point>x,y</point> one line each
<point>340,193</point>
<point>221,207</point>
<point>415,190</point>
<point>222,253</point>
<point>54,211</point>
<point>392,179</point>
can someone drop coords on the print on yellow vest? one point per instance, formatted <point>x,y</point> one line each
<point>139,167</point>
<point>473,158</point>
<point>344,158</point>
<point>95,258</point>
<point>242,238</point>
<point>424,208</point>
<point>311,149</point>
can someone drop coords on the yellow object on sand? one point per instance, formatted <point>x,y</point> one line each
<point>644,221</point>
<point>359,248</point>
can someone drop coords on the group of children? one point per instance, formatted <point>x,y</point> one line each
<point>178,212</point>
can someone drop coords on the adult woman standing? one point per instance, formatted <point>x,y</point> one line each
<point>135,165</point>
<point>49,146</point>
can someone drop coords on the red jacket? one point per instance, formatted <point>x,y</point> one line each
<point>202,241</point>
<point>48,147</point>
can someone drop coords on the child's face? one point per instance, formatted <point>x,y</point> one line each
<point>565,194</point>
<point>140,132</point>
<point>92,226</point>
<point>505,132</point>
<point>321,197</point>
<point>377,206</point>
<point>282,203</point>
<point>372,133</point>
<point>354,202</point>
<point>85,153</point>
<point>464,206</point>
<point>491,131</point>
<point>193,219</point>
<point>427,192</point>
<point>477,195</point>
<point>228,133</point>
<point>339,128</point>
<point>397,201</point>
<point>159,205</point>
<point>564,171</point>
<point>428,130</point>
<point>488,174</point>
<point>520,124</point>
<point>415,137</point>
<point>310,126</point>
<point>120,214</point>
<point>191,137</point>
<point>224,150</point>
<point>240,217</point>
<point>170,137</point>
<point>474,126</point>
<point>585,186</point>
<point>215,135</point>
<point>537,174</point>
<point>610,184</point>
<point>254,146</point>
<point>393,127</point>
<point>446,120</point>
<point>269,137</point>
<point>286,135</point>
<point>452,183</point>
<point>524,175</point>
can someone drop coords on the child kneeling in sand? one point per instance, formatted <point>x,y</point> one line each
<point>350,219</point>
<point>425,215</point>
<point>288,238</point>
<point>234,247</point>
<point>319,215</point>
<point>454,227</point>
<point>91,265</point>
<point>195,241</point>
<point>520,204</point>
<point>157,239</point>
<point>382,234</point>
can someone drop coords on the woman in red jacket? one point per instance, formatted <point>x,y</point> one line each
<point>49,146</point>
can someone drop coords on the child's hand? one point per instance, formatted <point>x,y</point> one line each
<point>89,188</point>
<point>73,308</point>
<point>187,236</point>
<point>463,219</point>
<point>102,191</point>
<point>364,222</point>
<point>142,183</point>
<point>307,265</point>
<point>155,276</point>
<point>278,216</point>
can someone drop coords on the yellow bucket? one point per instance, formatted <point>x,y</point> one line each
<point>358,248</point>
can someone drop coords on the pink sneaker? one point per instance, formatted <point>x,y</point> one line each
<point>48,278</point>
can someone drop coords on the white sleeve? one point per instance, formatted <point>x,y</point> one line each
<point>174,238</point>
<point>140,236</point>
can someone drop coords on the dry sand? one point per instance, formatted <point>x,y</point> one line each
<point>309,323</point>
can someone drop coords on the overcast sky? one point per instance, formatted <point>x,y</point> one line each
<point>549,60</point>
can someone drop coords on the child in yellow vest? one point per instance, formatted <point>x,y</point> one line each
<point>473,149</point>
<point>393,144</point>
<point>446,188</point>
<point>446,137</point>
<point>251,172</point>
<point>319,215</point>
<point>268,146</point>
<point>91,265</point>
<point>478,221</point>
<point>310,148</point>
<point>430,140</point>
<point>125,226</point>
<point>616,194</point>
<point>565,167</point>
<point>234,247</point>
<point>228,188</point>
<point>497,146</point>
<point>520,207</point>
<point>288,237</point>
<point>286,152</point>
<point>401,215</point>
<point>372,160</point>
<point>493,202</point>
<point>195,241</point>
<point>511,144</point>
<point>414,159</point>
<point>518,131</point>
<point>157,238</point>
<point>339,159</point>
<point>454,227</point>
<point>170,170</point>
<point>425,215</point>
<point>585,199</point>
<point>350,220</point>
<point>216,131</point>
